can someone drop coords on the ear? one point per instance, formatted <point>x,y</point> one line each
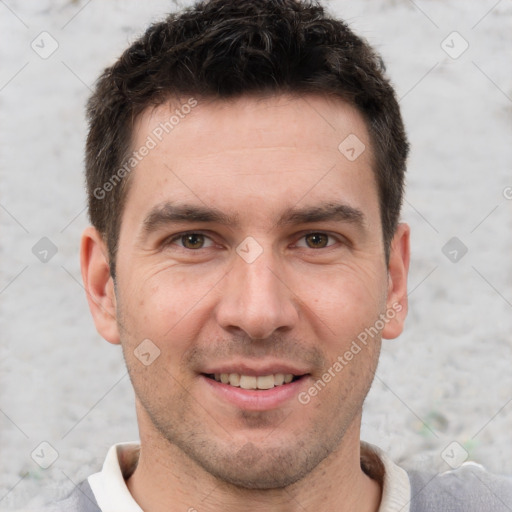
<point>99,285</point>
<point>398,270</point>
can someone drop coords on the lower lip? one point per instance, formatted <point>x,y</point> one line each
<point>256,400</point>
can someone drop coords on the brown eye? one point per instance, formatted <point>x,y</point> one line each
<point>317,240</point>
<point>192,240</point>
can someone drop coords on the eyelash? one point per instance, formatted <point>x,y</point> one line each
<point>179,236</point>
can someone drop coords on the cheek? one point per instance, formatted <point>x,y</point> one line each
<point>164,304</point>
<point>345,297</point>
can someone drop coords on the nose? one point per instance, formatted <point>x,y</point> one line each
<point>256,298</point>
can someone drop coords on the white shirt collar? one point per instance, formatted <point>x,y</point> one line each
<point>112,494</point>
<point>109,487</point>
<point>396,488</point>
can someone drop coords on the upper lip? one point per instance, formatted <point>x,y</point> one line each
<point>252,369</point>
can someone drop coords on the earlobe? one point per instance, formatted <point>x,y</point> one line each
<point>398,269</point>
<point>98,284</point>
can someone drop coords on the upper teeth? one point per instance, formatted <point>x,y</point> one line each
<point>252,382</point>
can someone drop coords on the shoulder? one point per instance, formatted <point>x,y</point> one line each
<point>81,499</point>
<point>469,488</point>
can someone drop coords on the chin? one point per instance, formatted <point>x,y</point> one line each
<point>257,468</point>
<point>267,477</point>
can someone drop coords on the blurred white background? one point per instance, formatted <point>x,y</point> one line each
<point>447,378</point>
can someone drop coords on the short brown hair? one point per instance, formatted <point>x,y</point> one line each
<point>221,49</point>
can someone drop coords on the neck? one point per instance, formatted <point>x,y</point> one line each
<point>166,479</point>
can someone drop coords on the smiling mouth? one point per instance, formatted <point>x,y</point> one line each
<point>252,382</point>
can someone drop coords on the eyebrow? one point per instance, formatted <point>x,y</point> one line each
<point>168,213</point>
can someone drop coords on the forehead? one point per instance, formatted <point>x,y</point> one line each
<point>252,154</point>
<point>253,122</point>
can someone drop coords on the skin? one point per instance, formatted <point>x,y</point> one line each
<point>302,301</point>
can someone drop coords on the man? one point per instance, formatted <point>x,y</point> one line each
<point>245,167</point>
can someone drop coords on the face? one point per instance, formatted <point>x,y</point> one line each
<point>251,247</point>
